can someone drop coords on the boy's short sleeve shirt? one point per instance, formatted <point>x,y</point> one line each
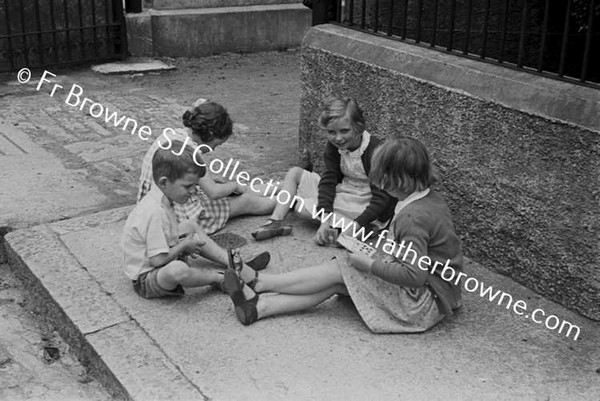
<point>150,230</point>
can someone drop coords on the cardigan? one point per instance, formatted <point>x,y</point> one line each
<point>426,227</point>
<point>382,204</point>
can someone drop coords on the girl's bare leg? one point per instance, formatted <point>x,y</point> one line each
<point>304,281</point>
<point>284,303</point>
<point>250,204</point>
<point>290,184</point>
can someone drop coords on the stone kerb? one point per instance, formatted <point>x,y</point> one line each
<point>518,155</point>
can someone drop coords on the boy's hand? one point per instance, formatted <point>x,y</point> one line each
<point>360,261</point>
<point>326,235</point>
<point>192,244</point>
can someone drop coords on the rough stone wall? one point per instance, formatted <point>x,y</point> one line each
<point>524,190</point>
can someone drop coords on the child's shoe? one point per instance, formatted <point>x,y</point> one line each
<point>260,261</point>
<point>245,309</point>
<point>272,228</point>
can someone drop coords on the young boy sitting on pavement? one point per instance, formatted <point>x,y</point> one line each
<point>154,256</point>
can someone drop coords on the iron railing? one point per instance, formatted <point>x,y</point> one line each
<point>555,38</point>
<point>40,33</point>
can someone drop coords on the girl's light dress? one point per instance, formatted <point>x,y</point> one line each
<point>387,307</point>
<point>352,195</point>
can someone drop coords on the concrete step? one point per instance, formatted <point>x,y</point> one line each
<point>181,4</point>
<point>197,32</point>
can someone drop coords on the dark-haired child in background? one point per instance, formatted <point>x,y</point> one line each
<point>210,204</point>
<point>208,126</point>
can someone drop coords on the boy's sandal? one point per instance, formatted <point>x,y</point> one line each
<point>272,228</point>
<point>235,260</point>
<point>252,283</point>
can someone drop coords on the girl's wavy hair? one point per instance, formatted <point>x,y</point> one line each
<point>337,107</point>
<point>208,120</point>
<point>402,164</point>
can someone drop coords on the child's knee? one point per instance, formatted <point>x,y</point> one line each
<point>296,173</point>
<point>176,271</point>
<point>340,289</point>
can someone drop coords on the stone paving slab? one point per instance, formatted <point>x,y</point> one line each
<point>43,182</point>
<point>194,348</point>
<point>132,66</point>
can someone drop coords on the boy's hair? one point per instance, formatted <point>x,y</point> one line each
<point>337,107</point>
<point>208,120</point>
<point>173,165</point>
<point>402,164</point>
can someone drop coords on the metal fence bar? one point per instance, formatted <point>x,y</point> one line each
<point>504,28</point>
<point>67,31</point>
<point>81,30</point>
<point>93,9</point>
<point>9,39</point>
<point>540,65</point>
<point>588,42</point>
<point>23,30</point>
<point>435,21</point>
<point>565,40</point>
<point>38,23</point>
<point>523,33</point>
<point>363,17</point>
<point>390,19</point>
<point>53,26</point>
<point>107,14</point>
<point>468,30</point>
<point>404,17</point>
<point>486,21</point>
<point>419,17</point>
<point>451,33</point>
<point>376,18</point>
<point>123,32</point>
<point>351,11</point>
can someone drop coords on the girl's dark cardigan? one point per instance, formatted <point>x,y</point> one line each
<point>381,206</point>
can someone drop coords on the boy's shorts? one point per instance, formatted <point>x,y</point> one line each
<point>147,286</point>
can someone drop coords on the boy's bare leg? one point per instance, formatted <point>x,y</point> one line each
<point>178,272</point>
